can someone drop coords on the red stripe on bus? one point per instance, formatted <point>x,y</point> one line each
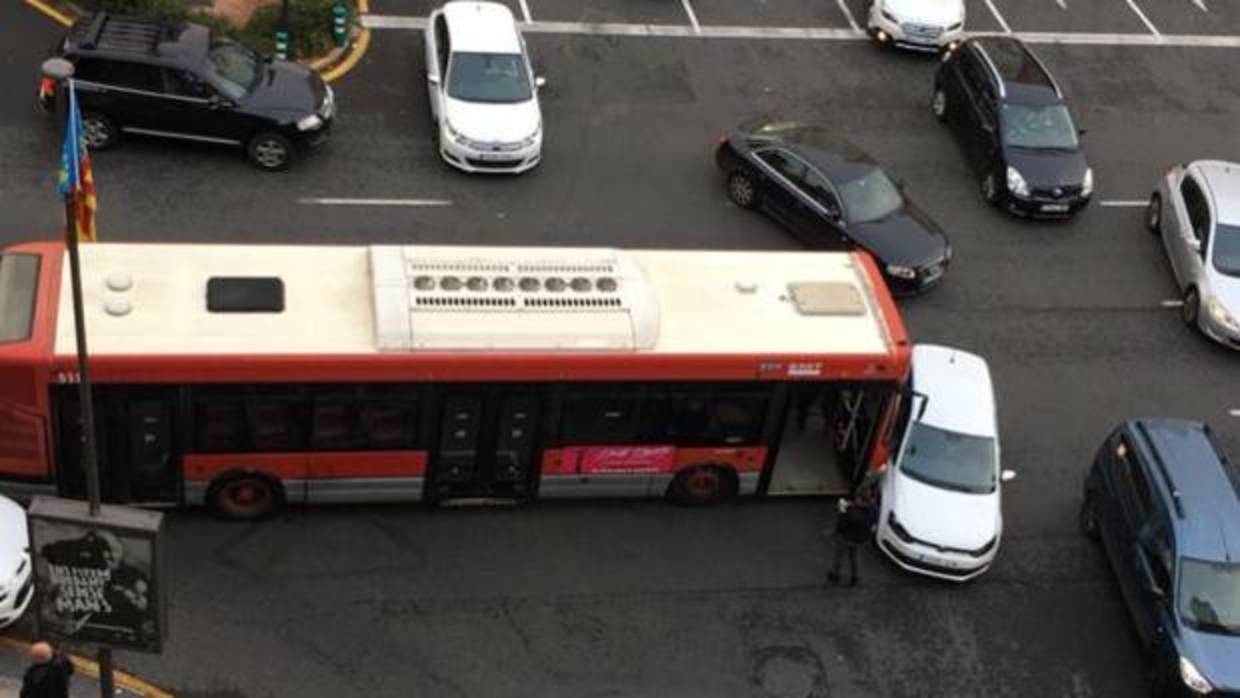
<point>354,464</point>
<point>206,466</point>
<point>743,459</point>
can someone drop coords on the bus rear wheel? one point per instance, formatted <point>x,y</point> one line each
<point>245,497</point>
<point>702,485</point>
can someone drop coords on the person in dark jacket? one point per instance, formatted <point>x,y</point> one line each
<point>48,674</point>
<point>853,529</point>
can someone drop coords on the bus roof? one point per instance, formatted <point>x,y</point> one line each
<point>152,299</point>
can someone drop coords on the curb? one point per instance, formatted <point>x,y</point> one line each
<point>331,67</point>
<point>91,668</point>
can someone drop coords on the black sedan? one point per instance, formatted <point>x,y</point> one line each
<point>832,195</point>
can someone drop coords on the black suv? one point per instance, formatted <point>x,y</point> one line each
<point>1010,117</point>
<point>1165,502</point>
<point>177,80</point>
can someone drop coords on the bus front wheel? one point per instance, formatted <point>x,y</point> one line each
<point>702,485</point>
<point>245,496</point>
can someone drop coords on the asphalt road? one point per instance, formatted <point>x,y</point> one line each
<point>642,599</point>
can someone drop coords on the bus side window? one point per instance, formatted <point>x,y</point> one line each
<point>273,425</point>
<point>334,425</point>
<point>736,419</point>
<point>599,419</point>
<point>221,426</point>
<point>389,425</point>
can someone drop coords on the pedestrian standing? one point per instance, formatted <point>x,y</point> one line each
<point>853,529</point>
<point>48,674</point>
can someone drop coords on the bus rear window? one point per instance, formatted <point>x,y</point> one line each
<point>19,278</point>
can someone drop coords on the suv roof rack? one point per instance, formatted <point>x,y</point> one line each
<point>1162,469</point>
<point>108,32</point>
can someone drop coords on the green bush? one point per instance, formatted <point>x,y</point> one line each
<point>309,22</point>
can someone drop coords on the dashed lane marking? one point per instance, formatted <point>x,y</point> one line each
<point>819,33</point>
<point>998,17</point>
<point>1123,203</point>
<point>331,201</point>
<point>1149,25</point>
<point>852,21</point>
<point>697,28</point>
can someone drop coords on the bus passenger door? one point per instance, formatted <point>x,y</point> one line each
<point>486,445</point>
<point>152,462</point>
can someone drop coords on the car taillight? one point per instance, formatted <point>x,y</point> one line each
<point>47,87</point>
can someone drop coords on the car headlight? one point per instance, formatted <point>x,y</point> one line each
<point>454,134</point>
<point>309,123</point>
<point>889,17</point>
<point>532,138</point>
<point>901,272</point>
<point>1087,184</point>
<point>1193,678</point>
<point>1218,313</point>
<point>899,529</point>
<point>1016,183</point>
<point>956,27</point>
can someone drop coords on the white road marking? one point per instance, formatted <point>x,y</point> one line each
<point>1149,25</point>
<point>1234,412</point>
<point>820,33</point>
<point>998,17</point>
<point>525,12</point>
<point>852,21</point>
<point>1173,303</point>
<point>1201,5</point>
<point>697,28</point>
<point>330,201</point>
<point>1063,5</point>
<point>1125,203</point>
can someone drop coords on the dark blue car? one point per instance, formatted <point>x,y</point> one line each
<point>1165,503</point>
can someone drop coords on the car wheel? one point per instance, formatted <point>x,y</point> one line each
<point>990,189</point>
<point>270,151</point>
<point>742,190</point>
<point>1088,517</point>
<point>702,485</point>
<point>245,497</point>
<point>1191,307</point>
<point>938,104</point>
<point>98,131</point>
<point>1153,214</point>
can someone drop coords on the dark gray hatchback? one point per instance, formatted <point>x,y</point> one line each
<point>1165,503</point>
<point>179,80</point>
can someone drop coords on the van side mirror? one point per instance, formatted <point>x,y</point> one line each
<point>1007,475</point>
<point>432,78</point>
<point>539,82</point>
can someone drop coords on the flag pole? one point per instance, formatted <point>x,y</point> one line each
<point>62,71</point>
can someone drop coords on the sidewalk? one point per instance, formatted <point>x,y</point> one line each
<point>13,663</point>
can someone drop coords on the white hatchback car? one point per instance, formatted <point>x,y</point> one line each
<point>483,93</point>
<point>940,509</point>
<point>922,25</point>
<point>15,570</point>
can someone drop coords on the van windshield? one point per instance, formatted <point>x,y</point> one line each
<point>19,276</point>
<point>1209,596</point>
<point>947,459</point>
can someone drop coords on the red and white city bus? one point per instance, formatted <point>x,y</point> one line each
<point>247,377</point>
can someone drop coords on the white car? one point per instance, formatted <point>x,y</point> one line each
<point>15,568</point>
<point>483,93</point>
<point>922,25</point>
<point>940,511</point>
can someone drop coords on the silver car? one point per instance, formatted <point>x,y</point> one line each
<point>1196,212</point>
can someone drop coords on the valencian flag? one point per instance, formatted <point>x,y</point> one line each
<point>76,181</point>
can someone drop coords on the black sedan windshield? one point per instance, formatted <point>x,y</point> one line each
<point>870,197</point>
<point>1227,249</point>
<point>1049,126</point>
<point>233,67</point>
<point>1209,597</point>
<point>498,78</point>
<point>961,462</point>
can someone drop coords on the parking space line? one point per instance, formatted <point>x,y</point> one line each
<point>1173,303</point>
<point>1149,25</point>
<point>697,28</point>
<point>998,17</point>
<point>821,33</point>
<point>852,21</point>
<point>525,12</point>
<point>1122,203</point>
<point>1235,412</point>
<point>1063,4</point>
<point>1201,5</point>
<point>330,201</point>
